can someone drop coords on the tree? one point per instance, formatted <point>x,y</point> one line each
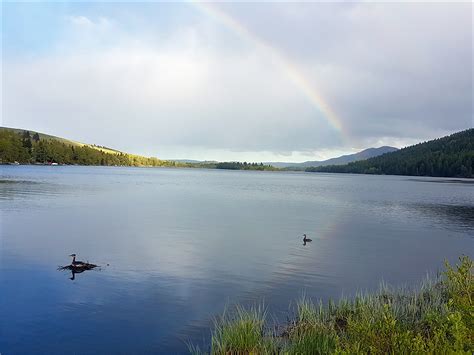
<point>448,156</point>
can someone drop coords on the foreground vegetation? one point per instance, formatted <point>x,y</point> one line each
<point>436,318</point>
<point>451,156</point>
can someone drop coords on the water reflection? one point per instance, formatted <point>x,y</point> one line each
<point>183,244</point>
<point>16,192</point>
<point>74,271</point>
<point>457,216</point>
<point>442,180</point>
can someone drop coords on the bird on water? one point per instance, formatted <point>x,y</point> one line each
<point>77,266</point>
<point>80,265</point>
<point>306,239</point>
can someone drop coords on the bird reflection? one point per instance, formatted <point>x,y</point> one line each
<point>73,274</point>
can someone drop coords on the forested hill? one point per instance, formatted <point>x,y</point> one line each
<point>29,147</point>
<point>450,156</point>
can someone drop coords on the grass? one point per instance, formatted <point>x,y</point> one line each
<point>437,317</point>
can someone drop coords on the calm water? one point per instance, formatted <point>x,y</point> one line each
<point>176,246</point>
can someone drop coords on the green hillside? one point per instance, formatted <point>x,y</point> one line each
<point>46,137</point>
<point>450,156</point>
<point>29,147</point>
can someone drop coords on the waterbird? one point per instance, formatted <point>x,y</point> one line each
<point>77,266</point>
<point>80,265</point>
<point>305,239</point>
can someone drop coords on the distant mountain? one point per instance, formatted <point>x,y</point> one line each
<point>344,159</point>
<point>450,156</point>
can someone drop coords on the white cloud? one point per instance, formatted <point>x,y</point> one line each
<point>393,74</point>
<point>179,92</point>
<point>83,21</point>
<point>80,21</point>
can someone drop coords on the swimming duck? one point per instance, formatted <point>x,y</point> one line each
<point>80,265</point>
<point>305,239</point>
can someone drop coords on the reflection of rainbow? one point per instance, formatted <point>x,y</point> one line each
<point>293,73</point>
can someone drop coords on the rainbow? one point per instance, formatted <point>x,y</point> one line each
<point>293,73</point>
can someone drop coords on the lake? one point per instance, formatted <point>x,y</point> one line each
<point>176,246</point>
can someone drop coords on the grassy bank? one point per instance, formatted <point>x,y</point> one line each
<point>437,317</point>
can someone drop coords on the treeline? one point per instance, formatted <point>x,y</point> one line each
<point>450,156</point>
<point>244,166</point>
<point>28,148</point>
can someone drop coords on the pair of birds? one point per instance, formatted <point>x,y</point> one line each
<point>82,265</point>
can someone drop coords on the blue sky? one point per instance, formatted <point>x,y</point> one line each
<point>36,28</point>
<point>230,81</point>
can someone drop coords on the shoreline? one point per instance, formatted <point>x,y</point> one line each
<point>277,170</point>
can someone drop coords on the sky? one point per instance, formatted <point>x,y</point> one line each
<point>238,81</point>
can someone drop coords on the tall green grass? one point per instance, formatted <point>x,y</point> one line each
<point>437,317</point>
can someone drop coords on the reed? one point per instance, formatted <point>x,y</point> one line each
<point>435,317</point>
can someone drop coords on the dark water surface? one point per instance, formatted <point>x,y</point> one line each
<point>182,244</point>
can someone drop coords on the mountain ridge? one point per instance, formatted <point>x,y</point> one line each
<point>449,156</point>
<point>343,159</point>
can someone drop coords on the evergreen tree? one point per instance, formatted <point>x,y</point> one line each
<point>451,156</point>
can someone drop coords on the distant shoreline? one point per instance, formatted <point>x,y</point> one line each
<point>414,178</point>
<point>451,156</point>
